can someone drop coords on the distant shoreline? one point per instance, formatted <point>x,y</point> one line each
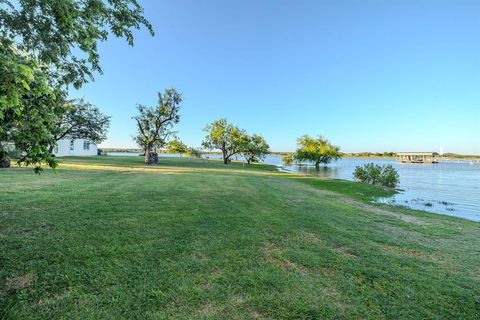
<point>344,155</point>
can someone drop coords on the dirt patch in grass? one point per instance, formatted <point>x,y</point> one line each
<point>345,252</point>
<point>310,238</point>
<point>209,310</point>
<point>256,315</point>
<point>328,272</point>
<point>20,282</point>
<point>408,252</point>
<point>274,256</point>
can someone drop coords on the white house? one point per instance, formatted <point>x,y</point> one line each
<point>75,147</point>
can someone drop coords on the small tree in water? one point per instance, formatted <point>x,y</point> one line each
<point>375,174</point>
<point>155,124</point>
<point>316,150</point>
<point>287,159</point>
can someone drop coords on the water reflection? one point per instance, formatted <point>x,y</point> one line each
<point>323,171</point>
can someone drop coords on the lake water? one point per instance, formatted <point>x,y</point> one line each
<point>445,188</point>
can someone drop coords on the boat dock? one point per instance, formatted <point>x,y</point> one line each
<point>431,157</point>
<point>417,157</point>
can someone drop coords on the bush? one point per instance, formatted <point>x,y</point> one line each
<point>287,159</point>
<point>194,153</point>
<point>378,175</point>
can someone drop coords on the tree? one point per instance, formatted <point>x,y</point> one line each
<point>28,107</point>
<point>194,152</point>
<point>177,146</point>
<point>44,47</point>
<point>375,174</point>
<point>64,34</point>
<point>287,159</point>
<point>82,120</point>
<point>316,150</point>
<point>255,148</point>
<point>225,137</point>
<point>154,124</point>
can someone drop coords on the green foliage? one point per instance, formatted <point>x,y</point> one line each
<point>82,120</point>
<point>287,159</point>
<point>155,124</point>
<point>224,136</point>
<point>46,45</point>
<point>255,148</point>
<point>375,174</point>
<point>65,34</point>
<point>194,152</point>
<point>316,150</point>
<point>177,146</point>
<point>28,106</point>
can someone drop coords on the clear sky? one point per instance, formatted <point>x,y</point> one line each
<point>369,75</point>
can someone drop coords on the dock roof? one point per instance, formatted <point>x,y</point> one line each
<point>417,153</point>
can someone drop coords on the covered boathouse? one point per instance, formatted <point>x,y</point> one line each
<point>417,157</point>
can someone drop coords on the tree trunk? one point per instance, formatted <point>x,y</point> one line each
<point>317,164</point>
<point>225,158</point>
<point>150,156</point>
<point>4,159</point>
<point>50,149</point>
<point>147,155</point>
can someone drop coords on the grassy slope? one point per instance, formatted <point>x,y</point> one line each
<point>108,238</point>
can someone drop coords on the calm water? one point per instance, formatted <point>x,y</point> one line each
<point>446,188</point>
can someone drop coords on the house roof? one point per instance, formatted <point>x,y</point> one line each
<point>417,153</point>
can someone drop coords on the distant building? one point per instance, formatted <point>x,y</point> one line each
<point>75,147</point>
<point>417,157</point>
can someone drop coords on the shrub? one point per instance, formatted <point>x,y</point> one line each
<point>194,153</point>
<point>287,159</point>
<point>101,152</point>
<point>375,174</point>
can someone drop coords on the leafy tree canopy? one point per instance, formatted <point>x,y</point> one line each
<point>65,33</point>
<point>255,148</point>
<point>154,124</point>
<point>225,137</point>
<point>316,150</point>
<point>28,107</point>
<point>82,120</point>
<point>375,174</point>
<point>194,152</point>
<point>177,146</point>
<point>45,45</point>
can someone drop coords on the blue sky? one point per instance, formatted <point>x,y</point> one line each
<point>368,75</point>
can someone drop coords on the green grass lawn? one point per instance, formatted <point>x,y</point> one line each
<point>108,238</point>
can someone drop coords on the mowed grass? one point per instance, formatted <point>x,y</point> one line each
<point>109,238</point>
